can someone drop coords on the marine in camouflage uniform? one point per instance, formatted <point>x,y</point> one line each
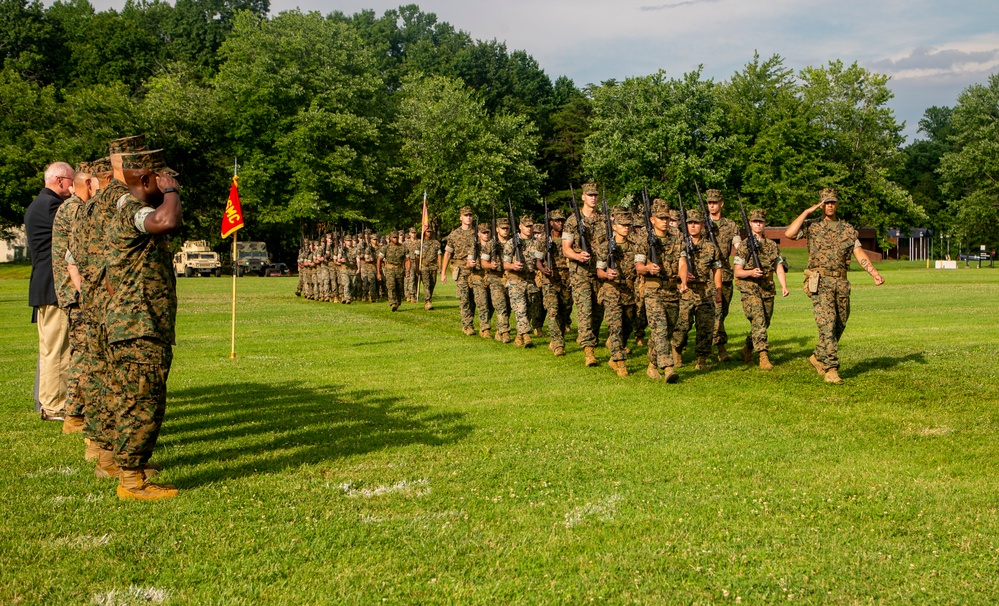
<point>323,292</point>
<point>426,266</point>
<point>727,236</point>
<point>617,289</point>
<point>756,287</point>
<point>519,274</point>
<point>637,236</point>
<point>412,245</point>
<point>482,254</point>
<point>556,296</point>
<point>583,270</point>
<point>141,315</point>
<point>830,244</point>
<point>346,268</point>
<point>459,249</point>
<point>661,292</point>
<point>700,292</point>
<point>369,286</point>
<point>299,267</point>
<point>393,264</point>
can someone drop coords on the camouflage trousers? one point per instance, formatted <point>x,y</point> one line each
<point>517,289</point>
<point>759,312</point>
<point>619,314</point>
<point>467,301</point>
<point>98,418</point>
<point>535,306</point>
<point>334,283</point>
<point>369,286</point>
<point>490,296</point>
<point>697,310</point>
<point>301,282</point>
<point>412,278</point>
<point>831,308</point>
<point>428,276</point>
<point>641,323</point>
<point>661,310</point>
<point>721,312</point>
<point>305,276</point>
<point>557,302</point>
<point>394,284</point>
<point>589,313</point>
<point>77,378</point>
<point>137,391</point>
<point>345,279</point>
<point>323,283</point>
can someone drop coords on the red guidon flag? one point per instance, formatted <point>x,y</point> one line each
<point>232,219</point>
<point>426,217</point>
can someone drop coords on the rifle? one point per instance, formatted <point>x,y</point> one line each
<point>476,249</point>
<point>611,242</point>
<point>518,254</point>
<point>688,242</point>
<point>549,255</point>
<point>650,233</point>
<point>580,226</point>
<point>751,243</point>
<point>709,224</point>
<point>497,253</point>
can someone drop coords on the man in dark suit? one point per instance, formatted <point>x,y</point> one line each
<point>53,327</point>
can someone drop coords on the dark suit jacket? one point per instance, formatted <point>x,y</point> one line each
<point>38,231</point>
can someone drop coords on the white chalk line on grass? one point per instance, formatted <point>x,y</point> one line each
<point>416,488</point>
<point>134,595</point>
<point>603,510</point>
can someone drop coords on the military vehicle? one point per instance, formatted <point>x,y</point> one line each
<point>252,257</point>
<point>195,258</point>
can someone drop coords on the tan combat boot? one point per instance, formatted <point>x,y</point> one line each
<point>832,376</point>
<point>485,334</point>
<point>519,341</point>
<point>671,376</point>
<point>765,361</point>
<point>677,358</point>
<point>653,372</point>
<point>504,337</point>
<point>106,467</point>
<point>135,486</point>
<point>528,343</point>
<point>559,351</point>
<point>747,354</point>
<point>619,367</point>
<point>816,365</point>
<point>591,360</point>
<point>468,331</point>
<point>702,363</point>
<point>90,450</point>
<point>723,353</point>
<point>72,424</point>
<point>427,306</point>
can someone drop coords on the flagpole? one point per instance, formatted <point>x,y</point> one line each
<point>419,263</point>
<point>235,265</point>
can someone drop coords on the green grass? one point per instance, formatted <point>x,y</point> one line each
<point>353,455</point>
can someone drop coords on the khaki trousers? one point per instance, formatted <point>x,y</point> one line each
<point>53,359</point>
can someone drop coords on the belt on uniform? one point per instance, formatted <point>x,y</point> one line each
<point>392,265</point>
<point>829,273</point>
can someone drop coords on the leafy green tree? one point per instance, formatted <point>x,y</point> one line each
<point>30,44</point>
<point>562,151</point>
<point>970,172</point>
<point>920,172</point>
<point>460,155</point>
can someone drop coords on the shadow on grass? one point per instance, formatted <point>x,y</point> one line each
<point>230,431</point>
<point>882,363</point>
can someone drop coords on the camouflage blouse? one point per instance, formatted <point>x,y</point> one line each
<point>830,244</point>
<point>62,228</point>
<point>668,248</point>
<point>593,226</point>
<point>725,231</point>
<point>707,260</point>
<point>431,249</point>
<point>460,243</point>
<point>770,258</point>
<point>394,254</point>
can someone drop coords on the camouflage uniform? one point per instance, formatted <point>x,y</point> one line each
<point>425,265</point>
<point>758,294</point>
<point>369,286</point>
<point>583,278</point>
<point>661,293</point>
<point>393,271</point>
<point>636,237</point>
<point>556,297</point>
<point>323,292</point>
<point>346,266</point>
<point>618,296</point>
<point>300,266</point>
<point>69,301</point>
<point>726,230</point>
<point>517,282</point>
<point>490,294</point>
<point>412,245</point>
<point>697,305</point>
<point>830,244</point>
<point>140,318</point>
<point>459,244</point>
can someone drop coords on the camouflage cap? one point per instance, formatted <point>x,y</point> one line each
<point>590,189</point>
<point>660,209</point>
<point>485,228</point>
<point>694,216</point>
<point>556,215</point>
<point>758,214</point>
<point>101,166</point>
<point>127,145</point>
<point>150,159</point>
<point>714,195</point>
<point>622,216</point>
<point>674,215</point>
<point>85,168</point>
<point>502,222</point>
<point>465,210</point>
<point>394,234</point>
<point>412,230</point>
<point>828,195</point>
<point>526,221</point>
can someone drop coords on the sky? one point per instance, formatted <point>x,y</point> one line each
<point>931,49</point>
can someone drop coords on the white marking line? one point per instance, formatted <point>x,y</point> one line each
<point>130,596</point>
<point>82,542</point>
<point>377,491</point>
<point>64,471</point>
<point>603,510</point>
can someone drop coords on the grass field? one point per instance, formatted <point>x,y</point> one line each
<point>353,455</point>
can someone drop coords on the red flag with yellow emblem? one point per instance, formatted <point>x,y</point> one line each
<point>232,219</point>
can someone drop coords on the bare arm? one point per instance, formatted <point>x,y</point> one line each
<point>166,218</point>
<point>75,277</point>
<point>792,230</point>
<point>782,279</point>
<point>683,274</point>
<point>865,262</point>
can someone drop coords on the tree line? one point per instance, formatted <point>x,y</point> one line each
<point>343,121</point>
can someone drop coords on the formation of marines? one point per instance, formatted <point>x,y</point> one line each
<point>663,270</point>
<point>115,279</point>
<point>343,268</point>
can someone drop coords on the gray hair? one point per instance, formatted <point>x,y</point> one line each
<point>58,169</point>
